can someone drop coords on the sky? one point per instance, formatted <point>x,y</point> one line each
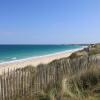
<point>49,21</point>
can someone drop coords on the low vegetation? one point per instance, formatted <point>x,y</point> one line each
<point>73,78</point>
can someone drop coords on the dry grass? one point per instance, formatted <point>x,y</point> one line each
<point>84,85</point>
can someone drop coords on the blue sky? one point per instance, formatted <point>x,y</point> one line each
<point>49,21</point>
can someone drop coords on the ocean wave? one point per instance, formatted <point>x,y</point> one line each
<point>13,58</point>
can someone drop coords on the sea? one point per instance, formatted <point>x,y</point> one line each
<point>17,52</point>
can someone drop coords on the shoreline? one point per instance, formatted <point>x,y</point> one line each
<point>36,57</point>
<point>34,61</point>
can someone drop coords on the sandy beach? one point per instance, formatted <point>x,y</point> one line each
<point>35,61</point>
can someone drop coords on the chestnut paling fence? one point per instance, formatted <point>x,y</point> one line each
<point>15,83</point>
<point>20,82</point>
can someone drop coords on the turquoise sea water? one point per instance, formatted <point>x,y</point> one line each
<point>16,52</point>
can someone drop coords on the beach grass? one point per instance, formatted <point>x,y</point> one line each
<point>84,85</point>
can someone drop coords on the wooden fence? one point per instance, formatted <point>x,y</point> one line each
<point>15,83</point>
<point>20,82</point>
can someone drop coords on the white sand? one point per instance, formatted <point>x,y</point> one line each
<point>34,61</point>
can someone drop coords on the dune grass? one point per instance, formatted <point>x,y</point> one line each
<point>83,85</point>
